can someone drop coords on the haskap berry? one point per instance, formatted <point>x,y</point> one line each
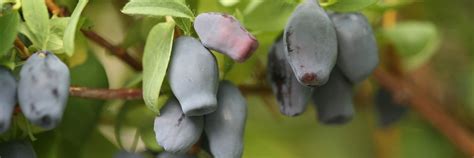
<point>193,76</point>
<point>223,33</point>
<point>388,110</point>
<point>174,155</point>
<point>8,97</point>
<point>333,100</point>
<point>43,89</point>
<point>125,154</point>
<point>175,131</point>
<point>358,53</point>
<point>224,128</point>
<point>291,95</point>
<point>310,44</point>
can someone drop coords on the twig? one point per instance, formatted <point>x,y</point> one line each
<point>117,51</point>
<point>105,94</point>
<point>428,109</point>
<point>136,94</point>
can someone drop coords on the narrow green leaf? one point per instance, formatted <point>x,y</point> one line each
<point>155,62</point>
<point>349,5</point>
<point>158,8</point>
<point>8,30</point>
<point>37,20</point>
<point>70,32</point>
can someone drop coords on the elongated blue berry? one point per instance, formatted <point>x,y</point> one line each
<point>8,88</point>
<point>224,128</point>
<point>193,76</point>
<point>358,53</point>
<point>175,131</point>
<point>310,44</point>
<point>291,95</point>
<point>125,154</point>
<point>43,89</point>
<point>174,155</point>
<point>388,110</point>
<point>334,100</point>
<point>223,33</point>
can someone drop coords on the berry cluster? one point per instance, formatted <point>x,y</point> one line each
<point>201,102</point>
<point>321,56</point>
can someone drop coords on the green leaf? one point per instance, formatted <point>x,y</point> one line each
<point>55,42</point>
<point>184,24</point>
<point>70,32</point>
<point>8,29</point>
<point>155,62</point>
<point>37,21</point>
<point>158,8</point>
<point>414,41</point>
<point>349,5</point>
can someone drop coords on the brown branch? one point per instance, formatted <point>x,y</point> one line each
<point>428,109</point>
<point>136,94</point>
<point>105,94</point>
<point>117,51</point>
